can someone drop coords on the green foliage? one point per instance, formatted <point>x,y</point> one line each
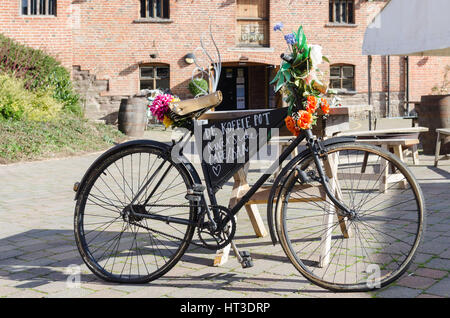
<point>18,103</point>
<point>200,82</point>
<point>299,77</point>
<point>39,71</point>
<point>69,135</point>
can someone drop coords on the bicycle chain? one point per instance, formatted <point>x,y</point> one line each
<point>229,231</point>
<point>164,234</point>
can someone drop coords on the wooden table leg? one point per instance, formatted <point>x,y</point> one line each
<point>331,169</point>
<point>240,187</point>
<point>415,155</point>
<point>364,165</point>
<point>438,149</point>
<point>398,150</point>
<point>384,171</point>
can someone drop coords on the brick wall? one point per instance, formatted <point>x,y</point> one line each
<point>107,39</point>
<point>52,34</point>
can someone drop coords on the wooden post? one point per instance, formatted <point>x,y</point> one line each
<point>398,150</point>
<point>438,149</point>
<point>415,155</point>
<point>384,171</point>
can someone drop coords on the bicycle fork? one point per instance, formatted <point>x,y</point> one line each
<point>318,152</point>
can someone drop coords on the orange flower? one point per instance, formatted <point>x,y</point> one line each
<point>325,106</point>
<point>311,104</point>
<point>305,119</point>
<point>290,123</point>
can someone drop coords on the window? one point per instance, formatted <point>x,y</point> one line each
<point>342,77</point>
<point>155,9</point>
<point>38,7</point>
<point>252,22</point>
<point>342,11</point>
<point>155,77</point>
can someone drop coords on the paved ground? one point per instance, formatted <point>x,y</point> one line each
<point>37,247</point>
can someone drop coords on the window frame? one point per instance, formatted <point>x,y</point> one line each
<point>155,77</point>
<point>334,4</point>
<point>145,9</point>
<point>341,78</point>
<point>253,21</point>
<point>33,8</point>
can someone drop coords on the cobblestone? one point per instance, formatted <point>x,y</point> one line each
<point>37,246</point>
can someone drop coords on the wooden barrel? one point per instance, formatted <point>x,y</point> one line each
<point>132,116</point>
<point>434,112</point>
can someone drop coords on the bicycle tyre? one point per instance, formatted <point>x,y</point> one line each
<point>158,248</point>
<point>296,249</point>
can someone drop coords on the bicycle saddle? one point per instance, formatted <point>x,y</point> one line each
<point>195,107</point>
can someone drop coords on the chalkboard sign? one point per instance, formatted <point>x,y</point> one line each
<point>227,145</point>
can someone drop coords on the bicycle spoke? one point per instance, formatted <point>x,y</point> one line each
<point>381,232</point>
<point>120,244</point>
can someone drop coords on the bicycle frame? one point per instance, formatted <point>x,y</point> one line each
<point>317,150</point>
<point>315,147</point>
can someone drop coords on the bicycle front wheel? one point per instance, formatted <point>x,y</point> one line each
<point>120,246</point>
<point>362,252</point>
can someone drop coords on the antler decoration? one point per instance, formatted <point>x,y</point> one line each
<point>201,69</point>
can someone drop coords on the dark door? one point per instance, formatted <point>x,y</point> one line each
<point>233,84</point>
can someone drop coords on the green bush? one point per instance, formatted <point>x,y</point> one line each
<point>18,103</point>
<point>39,71</point>
<point>200,83</point>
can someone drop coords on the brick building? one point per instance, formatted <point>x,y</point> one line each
<point>116,47</point>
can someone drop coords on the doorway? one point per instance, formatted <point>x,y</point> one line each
<point>234,87</point>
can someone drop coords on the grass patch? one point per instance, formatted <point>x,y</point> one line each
<point>70,135</point>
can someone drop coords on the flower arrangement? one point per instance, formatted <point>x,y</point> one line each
<point>300,80</point>
<point>161,110</point>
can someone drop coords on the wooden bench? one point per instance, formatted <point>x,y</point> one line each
<point>398,145</point>
<point>395,145</point>
<point>441,133</point>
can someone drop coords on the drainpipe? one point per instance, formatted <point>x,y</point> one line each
<point>389,86</point>
<point>407,84</point>
<point>369,89</point>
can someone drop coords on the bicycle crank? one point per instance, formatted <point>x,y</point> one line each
<point>216,238</point>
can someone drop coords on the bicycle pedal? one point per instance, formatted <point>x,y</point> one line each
<point>247,264</point>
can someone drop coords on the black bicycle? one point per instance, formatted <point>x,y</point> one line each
<point>349,216</point>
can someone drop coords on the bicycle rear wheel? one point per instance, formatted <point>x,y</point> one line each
<point>360,253</point>
<point>115,244</point>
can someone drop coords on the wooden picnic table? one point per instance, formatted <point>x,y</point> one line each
<point>337,121</point>
<point>396,139</point>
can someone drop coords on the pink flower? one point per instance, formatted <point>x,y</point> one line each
<point>160,106</point>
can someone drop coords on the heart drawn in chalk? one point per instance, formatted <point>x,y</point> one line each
<point>216,170</point>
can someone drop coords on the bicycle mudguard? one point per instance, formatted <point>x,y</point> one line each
<point>145,142</point>
<point>271,217</point>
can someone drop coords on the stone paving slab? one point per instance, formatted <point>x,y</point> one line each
<point>37,245</point>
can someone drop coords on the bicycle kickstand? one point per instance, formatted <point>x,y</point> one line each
<point>243,256</point>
